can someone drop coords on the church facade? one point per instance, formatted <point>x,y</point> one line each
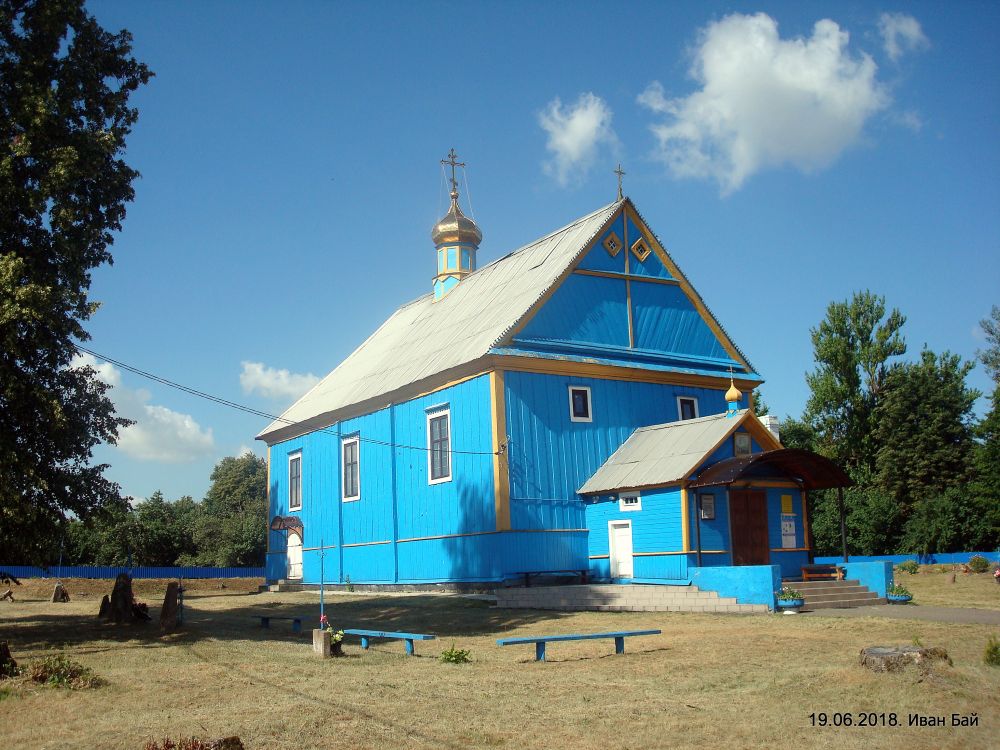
<point>550,411</point>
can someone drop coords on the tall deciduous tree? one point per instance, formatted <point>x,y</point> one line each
<point>65,85</point>
<point>852,347</point>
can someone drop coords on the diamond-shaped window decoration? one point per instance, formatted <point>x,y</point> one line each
<point>612,244</point>
<point>640,249</point>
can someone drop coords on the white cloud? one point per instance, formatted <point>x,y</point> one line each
<point>911,120</point>
<point>901,33</point>
<point>257,377</point>
<point>159,434</point>
<point>765,102</point>
<point>575,134</point>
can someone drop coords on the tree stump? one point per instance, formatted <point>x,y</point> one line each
<point>896,658</point>
<point>951,578</point>
<point>105,613</point>
<point>8,667</point>
<point>168,612</point>
<point>59,594</point>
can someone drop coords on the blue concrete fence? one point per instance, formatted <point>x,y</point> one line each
<point>111,571</point>
<point>937,558</point>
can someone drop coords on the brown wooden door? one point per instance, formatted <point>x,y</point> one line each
<point>748,520</point>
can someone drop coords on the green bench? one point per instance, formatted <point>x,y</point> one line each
<point>541,640</point>
<point>408,638</point>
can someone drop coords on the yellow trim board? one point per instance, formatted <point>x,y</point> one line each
<point>685,530</point>
<point>544,366</point>
<point>501,467</point>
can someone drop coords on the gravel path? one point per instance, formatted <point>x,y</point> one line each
<point>915,612</point>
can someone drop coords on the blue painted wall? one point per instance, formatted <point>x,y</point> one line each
<point>361,538</point>
<point>550,456</point>
<point>750,584</point>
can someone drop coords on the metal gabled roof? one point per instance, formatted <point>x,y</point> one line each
<point>662,454</point>
<point>425,338</point>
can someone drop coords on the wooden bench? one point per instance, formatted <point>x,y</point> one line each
<point>265,621</point>
<point>540,641</point>
<point>822,573</point>
<point>528,574</point>
<point>408,638</point>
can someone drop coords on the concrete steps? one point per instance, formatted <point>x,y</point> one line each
<point>835,594</point>
<point>621,598</point>
<point>279,586</point>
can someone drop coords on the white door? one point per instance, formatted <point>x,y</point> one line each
<point>294,552</point>
<point>620,541</point>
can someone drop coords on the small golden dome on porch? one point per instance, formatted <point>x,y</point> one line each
<point>734,393</point>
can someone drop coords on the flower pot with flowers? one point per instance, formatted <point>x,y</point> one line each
<point>790,601</point>
<point>996,575</point>
<point>327,641</point>
<point>897,594</point>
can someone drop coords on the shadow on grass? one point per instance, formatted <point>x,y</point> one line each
<point>445,617</point>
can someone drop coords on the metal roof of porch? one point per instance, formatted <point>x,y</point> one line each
<point>811,470</point>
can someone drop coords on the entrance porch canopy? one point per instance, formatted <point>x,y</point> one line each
<point>809,470</point>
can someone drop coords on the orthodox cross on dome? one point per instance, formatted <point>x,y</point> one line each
<point>620,172</point>
<point>453,161</point>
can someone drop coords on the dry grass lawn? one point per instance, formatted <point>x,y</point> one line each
<point>707,681</point>
<point>931,586</point>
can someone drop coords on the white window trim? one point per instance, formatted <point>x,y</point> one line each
<point>291,457</point>
<point>343,487</point>
<point>590,403</point>
<point>439,412</point>
<point>623,496</point>
<point>680,412</point>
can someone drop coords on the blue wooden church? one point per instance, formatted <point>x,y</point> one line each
<point>554,410</point>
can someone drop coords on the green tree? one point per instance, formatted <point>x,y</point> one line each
<point>990,356</point>
<point>231,525</point>
<point>923,427</point>
<point>852,347</point>
<point>65,85</point>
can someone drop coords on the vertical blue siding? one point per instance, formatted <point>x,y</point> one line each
<point>550,456</point>
<point>649,267</point>
<point>361,537</point>
<point>583,310</point>
<point>656,528</point>
<point>666,321</point>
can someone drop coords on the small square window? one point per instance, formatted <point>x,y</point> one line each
<point>707,503</point>
<point>629,501</point>
<point>579,404</point>
<point>743,444</point>
<point>612,244</point>
<point>640,249</point>
<point>687,407</point>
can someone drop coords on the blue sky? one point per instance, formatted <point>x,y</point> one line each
<point>786,154</point>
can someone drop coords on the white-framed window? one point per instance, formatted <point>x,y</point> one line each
<point>742,444</point>
<point>439,445</point>
<point>687,407</point>
<point>707,503</point>
<point>579,404</point>
<point>295,480</point>
<point>629,501</point>
<point>350,450</point>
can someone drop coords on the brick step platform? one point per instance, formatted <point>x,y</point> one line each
<point>622,598</point>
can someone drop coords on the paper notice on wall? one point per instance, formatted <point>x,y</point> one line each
<point>787,531</point>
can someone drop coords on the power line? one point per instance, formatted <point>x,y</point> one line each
<point>258,412</point>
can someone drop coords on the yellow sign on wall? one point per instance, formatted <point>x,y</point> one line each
<point>786,504</point>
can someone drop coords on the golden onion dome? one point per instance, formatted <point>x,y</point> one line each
<point>456,226</point>
<point>734,393</point>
